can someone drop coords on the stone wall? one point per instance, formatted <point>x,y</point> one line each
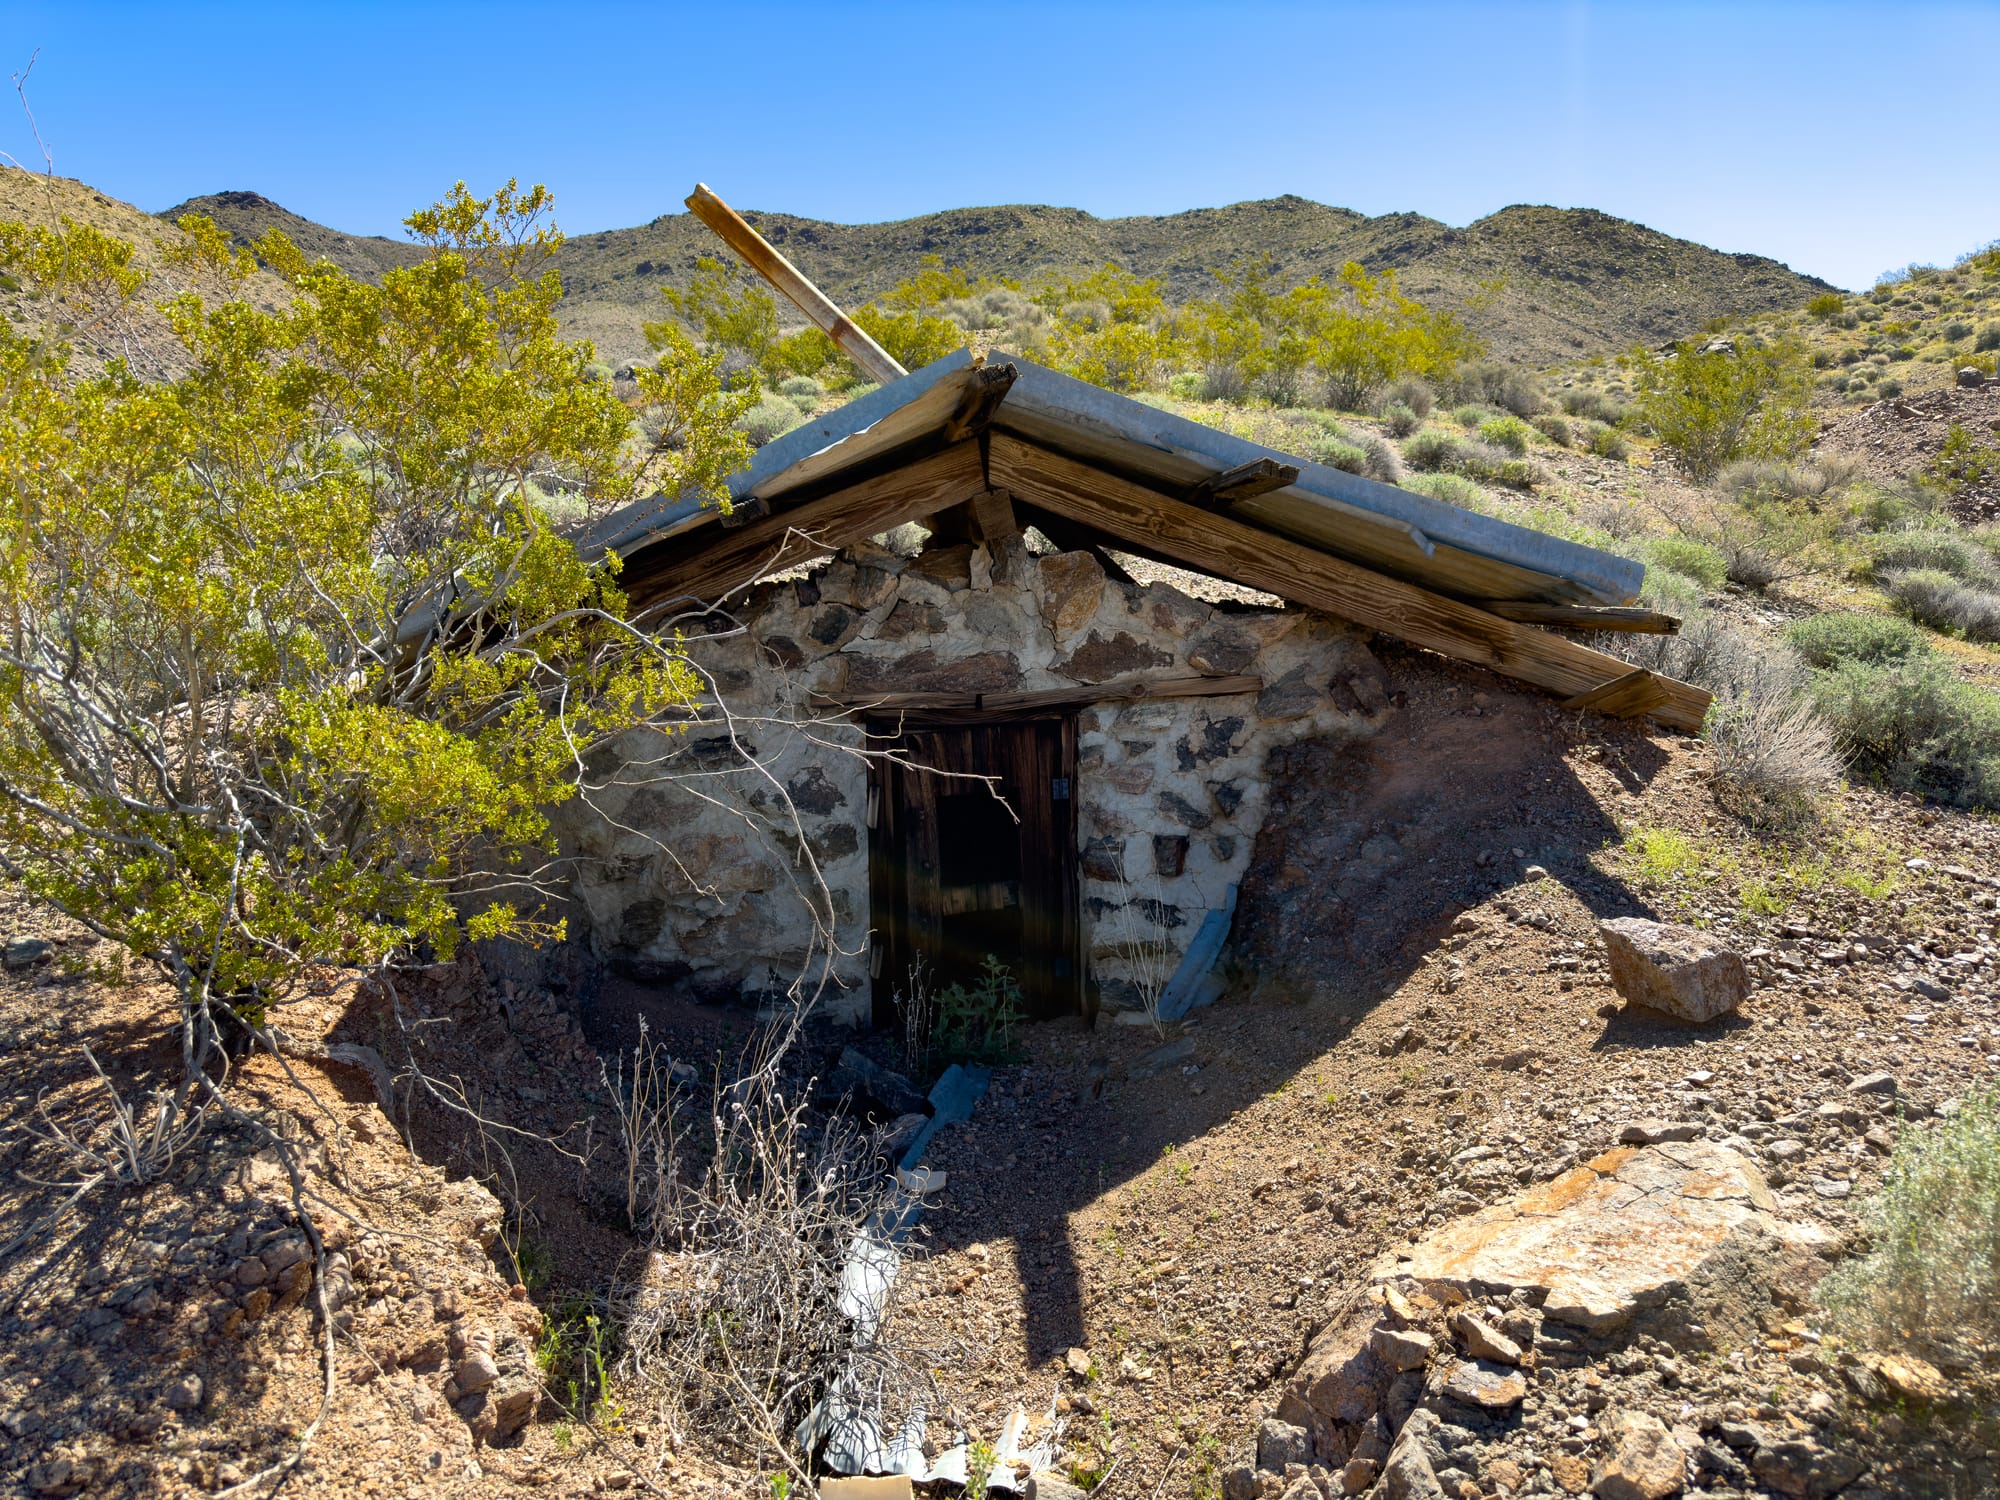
<point>733,857</point>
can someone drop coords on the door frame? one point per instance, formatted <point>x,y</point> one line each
<point>903,859</point>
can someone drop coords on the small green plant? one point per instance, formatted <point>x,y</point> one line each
<point>534,1263</point>
<point>980,1022</point>
<point>564,1434</point>
<point>1762,897</point>
<point>1665,854</point>
<point>1689,558</point>
<point>1508,432</point>
<point>1932,1273</point>
<point>781,1486</point>
<point>979,1458</point>
<point>1875,887</point>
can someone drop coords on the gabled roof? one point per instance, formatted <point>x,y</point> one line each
<point>1395,531</point>
<point>963,427</point>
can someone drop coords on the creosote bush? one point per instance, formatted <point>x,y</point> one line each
<point>1931,1276</point>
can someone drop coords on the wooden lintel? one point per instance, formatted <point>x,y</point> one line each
<point>1040,700</point>
<point>1631,620</point>
<point>1257,477</point>
<point>1637,692</point>
<point>1224,547</point>
<point>789,537</point>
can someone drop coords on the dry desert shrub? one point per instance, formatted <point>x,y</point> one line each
<point>1932,1273</point>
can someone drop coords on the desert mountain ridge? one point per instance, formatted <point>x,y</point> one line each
<point>1573,281</point>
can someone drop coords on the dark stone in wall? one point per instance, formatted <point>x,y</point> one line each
<point>1227,794</point>
<point>1292,696</point>
<point>782,651</point>
<point>911,617</point>
<point>1104,859</point>
<point>1183,811</point>
<point>950,566</point>
<point>922,672</point>
<point>640,922</point>
<point>835,841</point>
<point>1099,660</point>
<point>1215,737</point>
<point>1223,651</point>
<point>1169,854</point>
<point>812,793</point>
<point>833,626</point>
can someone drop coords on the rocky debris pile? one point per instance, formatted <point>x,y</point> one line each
<point>1608,1332</point>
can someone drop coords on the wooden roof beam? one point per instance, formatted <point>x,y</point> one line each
<point>1585,617</point>
<point>785,539</point>
<point>1226,548</point>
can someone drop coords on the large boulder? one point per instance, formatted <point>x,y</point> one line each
<point>1678,971</point>
<point>1618,1236</point>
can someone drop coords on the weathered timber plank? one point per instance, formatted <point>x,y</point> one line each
<point>787,538</point>
<point>1226,548</point>
<point>1631,619</point>
<point>1637,692</point>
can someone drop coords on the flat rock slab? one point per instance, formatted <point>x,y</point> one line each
<point>1604,1239</point>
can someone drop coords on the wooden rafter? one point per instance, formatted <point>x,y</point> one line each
<point>1585,617</point>
<point>788,538</point>
<point>1226,548</point>
<point>1037,700</point>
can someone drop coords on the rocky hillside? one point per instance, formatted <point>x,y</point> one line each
<point>1574,281</point>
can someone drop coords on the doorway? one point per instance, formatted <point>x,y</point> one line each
<point>962,869</point>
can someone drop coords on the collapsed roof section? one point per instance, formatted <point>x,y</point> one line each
<point>978,437</point>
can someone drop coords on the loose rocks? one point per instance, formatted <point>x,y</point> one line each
<point>1645,1463</point>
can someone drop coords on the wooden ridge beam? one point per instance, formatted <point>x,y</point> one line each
<point>787,538</point>
<point>1635,621</point>
<point>1227,548</point>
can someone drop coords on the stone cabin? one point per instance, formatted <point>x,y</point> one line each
<point>1041,733</point>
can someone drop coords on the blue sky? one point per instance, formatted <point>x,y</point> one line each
<point>1841,139</point>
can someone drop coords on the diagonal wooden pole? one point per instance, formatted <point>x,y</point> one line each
<point>755,252</point>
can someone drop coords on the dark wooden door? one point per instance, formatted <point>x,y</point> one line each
<point>973,852</point>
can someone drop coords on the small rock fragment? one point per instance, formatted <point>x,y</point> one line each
<point>1873,1083</point>
<point>1483,1384</point>
<point>1644,1463</point>
<point>1652,1132</point>
<point>1402,1348</point>
<point>1483,1341</point>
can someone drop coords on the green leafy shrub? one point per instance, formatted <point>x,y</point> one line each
<point>1932,1271</point>
<point>1689,558</point>
<point>1418,396</point>
<point>980,1022</point>
<point>1509,432</point>
<point>1594,406</point>
<point>1555,428</point>
<point>1989,338</point>
<point>1494,384</point>
<point>1514,474</point>
<point>1335,453</point>
<point>1432,451</point>
<point>1915,726</point>
<point>1826,306</point>
<point>1826,640</point>
<point>1712,401</point>
<point>1189,385</point>
<point>802,391</point>
<point>1963,462</point>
